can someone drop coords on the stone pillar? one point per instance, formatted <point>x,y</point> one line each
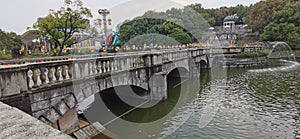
<point>194,71</point>
<point>158,87</point>
<point>14,88</point>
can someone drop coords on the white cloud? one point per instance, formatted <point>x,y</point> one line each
<point>135,8</point>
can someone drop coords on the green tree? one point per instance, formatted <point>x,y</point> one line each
<point>261,13</point>
<point>10,41</point>
<point>59,26</point>
<point>285,26</point>
<point>180,36</point>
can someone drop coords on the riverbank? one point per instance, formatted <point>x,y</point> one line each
<point>245,62</point>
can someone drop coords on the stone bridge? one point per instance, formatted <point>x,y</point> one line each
<point>50,90</point>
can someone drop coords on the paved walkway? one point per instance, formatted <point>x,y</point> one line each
<point>15,124</point>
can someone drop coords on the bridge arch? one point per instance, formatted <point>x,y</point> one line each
<point>203,64</point>
<point>178,72</point>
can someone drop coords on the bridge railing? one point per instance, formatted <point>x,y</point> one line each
<point>48,59</point>
<point>55,72</point>
<point>15,79</point>
<point>47,73</point>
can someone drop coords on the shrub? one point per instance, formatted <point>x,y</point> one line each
<point>262,53</point>
<point>5,56</point>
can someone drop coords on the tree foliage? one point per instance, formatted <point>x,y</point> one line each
<point>59,26</point>
<point>10,41</point>
<point>261,13</point>
<point>285,25</point>
<point>164,23</point>
<point>184,25</point>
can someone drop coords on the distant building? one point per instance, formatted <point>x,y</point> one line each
<point>229,24</point>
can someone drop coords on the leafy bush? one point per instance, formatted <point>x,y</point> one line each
<point>5,56</point>
<point>262,53</point>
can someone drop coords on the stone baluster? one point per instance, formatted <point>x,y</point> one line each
<point>112,65</point>
<point>99,67</point>
<point>95,68</point>
<point>135,62</point>
<point>124,64</point>
<point>46,71</point>
<point>116,64</point>
<point>37,77</point>
<point>30,78</point>
<point>52,75</point>
<point>132,62</point>
<point>108,66</point>
<point>154,59</point>
<point>59,74</point>
<point>128,63</point>
<point>142,62</point>
<point>104,66</point>
<point>76,71</point>
<point>66,72</point>
<point>71,73</point>
<point>173,56</point>
<point>86,69</point>
<point>91,69</point>
<point>138,61</point>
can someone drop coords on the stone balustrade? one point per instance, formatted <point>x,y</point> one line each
<point>49,59</point>
<point>47,73</point>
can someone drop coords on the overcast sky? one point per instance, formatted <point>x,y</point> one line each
<point>17,15</point>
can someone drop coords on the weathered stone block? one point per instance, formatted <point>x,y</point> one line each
<point>70,101</point>
<point>44,120</point>
<point>52,115</point>
<point>37,97</point>
<point>95,88</point>
<point>87,91</point>
<point>68,90</point>
<point>37,106</point>
<point>53,93</point>
<point>55,101</point>
<point>79,95</point>
<point>62,108</point>
<point>39,113</point>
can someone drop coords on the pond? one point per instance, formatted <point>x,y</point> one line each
<point>246,104</point>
